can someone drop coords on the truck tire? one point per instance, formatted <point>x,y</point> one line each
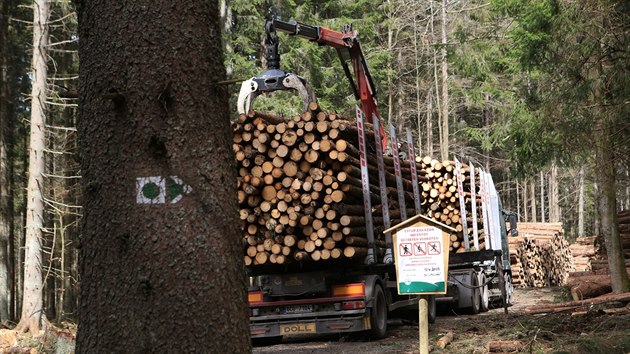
<point>475,293</point>
<point>485,296</point>
<point>378,314</point>
<point>432,309</point>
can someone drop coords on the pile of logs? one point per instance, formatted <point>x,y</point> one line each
<point>584,252</point>
<point>623,221</point>
<point>540,256</point>
<point>300,191</point>
<point>595,279</point>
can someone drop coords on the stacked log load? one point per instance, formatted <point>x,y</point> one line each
<point>440,200</point>
<point>300,191</point>
<point>541,255</point>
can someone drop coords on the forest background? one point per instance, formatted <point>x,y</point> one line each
<point>535,92</point>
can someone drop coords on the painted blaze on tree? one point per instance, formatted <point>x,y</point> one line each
<point>160,250</point>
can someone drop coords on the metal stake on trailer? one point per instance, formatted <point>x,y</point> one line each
<point>462,205</point>
<point>365,182</point>
<point>473,192</point>
<point>399,185</point>
<point>389,257</point>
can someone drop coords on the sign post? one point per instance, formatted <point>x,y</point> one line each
<point>421,247</point>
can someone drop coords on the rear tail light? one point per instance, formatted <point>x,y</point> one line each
<point>353,305</point>
<point>255,297</point>
<point>354,289</point>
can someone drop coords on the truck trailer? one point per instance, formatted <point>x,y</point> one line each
<point>355,291</point>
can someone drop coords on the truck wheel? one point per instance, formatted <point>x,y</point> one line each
<point>378,314</point>
<point>432,309</point>
<point>485,296</point>
<point>475,294</point>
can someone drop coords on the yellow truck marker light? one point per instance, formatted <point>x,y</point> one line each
<point>355,289</point>
<point>254,297</point>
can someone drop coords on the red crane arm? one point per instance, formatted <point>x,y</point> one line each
<point>347,39</point>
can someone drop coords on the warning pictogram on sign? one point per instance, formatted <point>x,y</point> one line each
<point>434,248</point>
<point>405,249</point>
<point>419,248</point>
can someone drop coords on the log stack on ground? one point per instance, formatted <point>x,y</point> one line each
<point>584,251</point>
<point>623,222</point>
<point>589,284</point>
<point>300,191</point>
<point>542,256</point>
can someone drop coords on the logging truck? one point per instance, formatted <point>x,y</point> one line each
<point>316,193</point>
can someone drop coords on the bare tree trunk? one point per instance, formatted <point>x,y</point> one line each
<point>486,123</point>
<point>581,203</point>
<point>554,201</point>
<point>390,83</point>
<point>525,201</point>
<point>416,52</point>
<point>33,316</point>
<point>542,196</point>
<point>518,201</point>
<point>160,264</point>
<point>532,190</point>
<point>429,123</point>
<point>435,76</point>
<point>226,26</point>
<point>444,148</point>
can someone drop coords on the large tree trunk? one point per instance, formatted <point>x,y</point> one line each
<point>32,316</point>
<point>160,260</point>
<point>6,214</point>
<point>606,207</point>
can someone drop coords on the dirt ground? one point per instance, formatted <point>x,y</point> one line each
<point>592,333</point>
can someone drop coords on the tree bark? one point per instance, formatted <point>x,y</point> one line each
<point>160,259</point>
<point>6,208</point>
<point>32,317</point>
<point>605,176</point>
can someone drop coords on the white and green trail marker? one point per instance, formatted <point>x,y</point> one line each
<point>160,190</point>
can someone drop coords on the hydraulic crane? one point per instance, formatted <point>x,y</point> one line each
<point>348,46</point>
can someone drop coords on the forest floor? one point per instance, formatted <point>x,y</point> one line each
<point>561,332</point>
<point>592,333</point>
